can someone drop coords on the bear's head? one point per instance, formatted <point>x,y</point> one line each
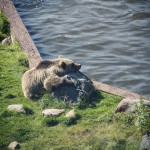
<point>67,65</point>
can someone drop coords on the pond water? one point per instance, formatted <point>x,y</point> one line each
<point>111,39</point>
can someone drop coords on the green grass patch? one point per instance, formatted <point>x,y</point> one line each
<point>4,27</point>
<point>72,120</point>
<point>50,121</point>
<point>95,125</point>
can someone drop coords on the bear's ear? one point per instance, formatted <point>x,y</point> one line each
<point>62,65</point>
<point>43,64</point>
<point>61,56</point>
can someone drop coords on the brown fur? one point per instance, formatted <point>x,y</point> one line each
<point>47,75</point>
<point>53,82</point>
<point>44,64</point>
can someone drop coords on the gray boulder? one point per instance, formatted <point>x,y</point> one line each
<point>129,105</point>
<point>52,112</point>
<point>14,145</point>
<point>17,108</point>
<point>145,143</point>
<point>82,87</point>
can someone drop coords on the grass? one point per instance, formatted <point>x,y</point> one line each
<point>92,128</point>
<point>4,27</point>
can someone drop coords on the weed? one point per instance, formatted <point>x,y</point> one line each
<point>119,144</point>
<point>106,117</point>
<point>47,101</point>
<point>91,101</point>
<point>142,117</point>
<point>10,96</point>
<point>72,120</point>
<point>8,113</point>
<point>127,119</point>
<point>50,121</point>
<point>28,110</point>
<point>23,61</point>
<point>21,135</point>
<point>4,27</point>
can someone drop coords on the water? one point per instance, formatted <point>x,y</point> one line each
<point>111,39</point>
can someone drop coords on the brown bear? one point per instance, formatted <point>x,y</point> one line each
<point>47,75</point>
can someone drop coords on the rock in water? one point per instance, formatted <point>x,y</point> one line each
<point>82,87</point>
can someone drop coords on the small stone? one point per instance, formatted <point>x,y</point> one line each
<point>70,114</point>
<point>129,105</point>
<point>145,143</point>
<point>14,145</point>
<point>52,112</point>
<point>7,41</point>
<point>17,108</point>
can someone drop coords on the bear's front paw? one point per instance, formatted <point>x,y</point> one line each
<point>67,81</point>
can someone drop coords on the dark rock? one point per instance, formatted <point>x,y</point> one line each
<point>82,87</point>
